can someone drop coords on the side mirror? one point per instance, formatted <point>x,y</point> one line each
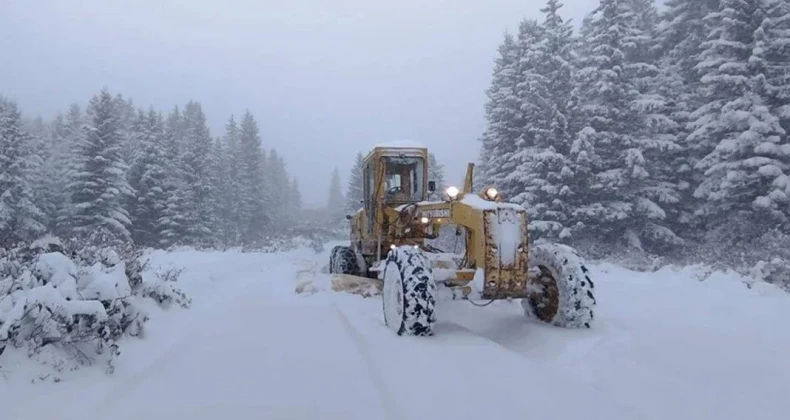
<point>431,186</point>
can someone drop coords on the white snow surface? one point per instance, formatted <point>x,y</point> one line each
<point>665,345</point>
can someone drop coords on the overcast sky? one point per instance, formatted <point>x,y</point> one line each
<point>325,79</point>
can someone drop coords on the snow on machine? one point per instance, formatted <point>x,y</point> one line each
<point>389,245</point>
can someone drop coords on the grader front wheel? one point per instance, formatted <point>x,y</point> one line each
<point>409,293</point>
<point>560,288</point>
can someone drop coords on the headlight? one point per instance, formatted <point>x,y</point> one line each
<point>491,193</point>
<point>425,220</point>
<point>452,192</point>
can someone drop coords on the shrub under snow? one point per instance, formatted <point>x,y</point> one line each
<point>76,305</point>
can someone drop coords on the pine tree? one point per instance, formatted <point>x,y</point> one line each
<point>149,180</point>
<point>173,223</point>
<point>335,202</point>
<point>746,160</point>
<point>435,174</point>
<point>127,115</point>
<point>296,197</point>
<point>624,124</point>
<point>546,95</point>
<point>683,30</point>
<point>278,184</point>
<point>73,139</point>
<point>138,133</point>
<point>776,53</point>
<point>222,196</point>
<point>233,159</point>
<point>654,146</point>
<point>40,134</point>
<point>503,121</point>
<point>52,191</point>
<point>354,191</point>
<point>20,218</point>
<point>604,108</point>
<point>197,159</point>
<point>253,217</point>
<point>100,186</point>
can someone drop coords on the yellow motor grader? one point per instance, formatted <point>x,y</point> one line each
<point>390,243</point>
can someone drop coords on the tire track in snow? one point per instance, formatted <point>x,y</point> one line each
<point>187,332</point>
<point>637,413</point>
<point>391,407</point>
<point>131,383</point>
<point>582,359</point>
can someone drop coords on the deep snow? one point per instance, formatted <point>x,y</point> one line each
<point>665,346</point>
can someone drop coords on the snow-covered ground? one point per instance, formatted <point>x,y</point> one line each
<point>665,346</point>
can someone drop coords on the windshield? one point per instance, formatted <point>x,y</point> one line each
<point>404,179</point>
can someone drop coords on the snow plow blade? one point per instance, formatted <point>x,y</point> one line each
<point>366,287</point>
<point>357,285</point>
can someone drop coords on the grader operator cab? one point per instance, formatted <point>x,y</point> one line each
<point>390,237</point>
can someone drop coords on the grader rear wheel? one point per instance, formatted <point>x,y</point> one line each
<point>560,288</point>
<point>343,260</point>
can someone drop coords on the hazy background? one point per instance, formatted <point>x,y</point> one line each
<point>325,79</point>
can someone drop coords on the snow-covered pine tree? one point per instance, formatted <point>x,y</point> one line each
<point>278,186</point>
<point>532,97</point>
<point>619,203</point>
<point>197,158</point>
<point>354,190</point>
<point>252,207</point>
<point>221,188</point>
<point>100,186</point>
<point>233,159</point>
<point>521,131</point>
<point>746,159</point>
<point>296,197</point>
<point>335,201</point>
<point>20,217</point>
<point>148,178</point>
<point>776,53</point>
<point>138,135</point>
<point>681,32</point>
<point>776,29</point>
<point>653,145</point>
<point>435,173</point>
<point>173,222</point>
<point>51,191</point>
<point>127,114</point>
<point>40,138</point>
<point>503,117</point>
<point>73,139</point>
<point>603,110</point>
<point>546,97</point>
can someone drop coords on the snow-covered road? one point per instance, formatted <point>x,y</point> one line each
<point>665,346</point>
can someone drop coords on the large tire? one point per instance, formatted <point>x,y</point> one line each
<point>343,260</point>
<point>409,294</point>
<point>562,293</point>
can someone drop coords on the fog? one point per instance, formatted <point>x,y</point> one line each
<point>325,80</point>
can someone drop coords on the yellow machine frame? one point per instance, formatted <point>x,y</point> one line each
<point>492,268</point>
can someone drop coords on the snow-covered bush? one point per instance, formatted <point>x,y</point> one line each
<point>776,271</point>
<point>76,304</point>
